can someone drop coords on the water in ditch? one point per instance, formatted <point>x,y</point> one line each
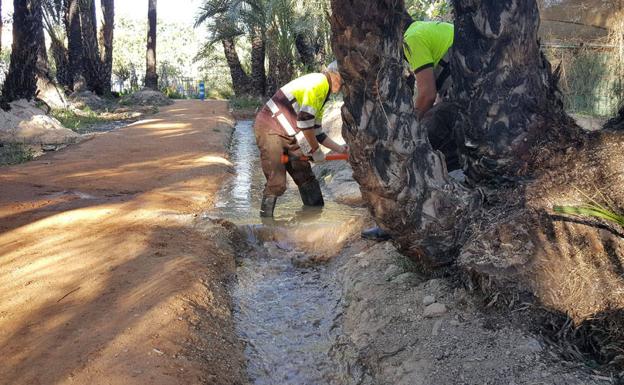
<point>287,303</point>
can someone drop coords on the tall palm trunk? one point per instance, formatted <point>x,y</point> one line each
<point>404,181</point>
<point>258,56</point>
<point>151,77</point>
<point>240,80</point>
<point>47,90</point>
<point>106,43</point>
<point>21,80</point>
<point>515,108</point>
<point>1,25</point>
<point>92,70</point>
<point>74,39</point>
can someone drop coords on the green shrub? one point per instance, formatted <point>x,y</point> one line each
<point>14,153</point>
<point>78,122</point>
<point>245,103</point>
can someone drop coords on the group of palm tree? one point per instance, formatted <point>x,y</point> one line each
<point>82,54</point>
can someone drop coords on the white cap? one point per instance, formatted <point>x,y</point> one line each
<point>332,67</point>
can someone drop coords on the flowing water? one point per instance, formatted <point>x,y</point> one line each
<point>287,304</point>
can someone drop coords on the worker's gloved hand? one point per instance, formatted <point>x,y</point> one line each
<point>318,156</point>
<point>344,149</point>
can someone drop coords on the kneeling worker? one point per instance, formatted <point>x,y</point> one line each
<point>290,123</point>
<point>427,48</point>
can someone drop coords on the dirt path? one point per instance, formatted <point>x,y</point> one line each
<point>104,276</point>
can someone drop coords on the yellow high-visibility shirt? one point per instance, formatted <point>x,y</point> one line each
<point>310,92</point>
<point>426,43</point>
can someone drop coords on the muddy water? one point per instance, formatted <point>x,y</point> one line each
<point>287,303</point>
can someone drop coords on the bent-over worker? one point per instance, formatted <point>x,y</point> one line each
<point>291,123</point>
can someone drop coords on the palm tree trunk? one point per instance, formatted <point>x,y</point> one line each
<point>92,70</point>
<point>75,50</point>
<point>404,182</point>
<point>151,77</point>
<point>240,80</point>
<point>258,55</point>
<point>21,82</point>
<point>47,90</point>
<point>1,25</point>
<point>305,51</point>
<point>515,109</point>
<point>106,43</point>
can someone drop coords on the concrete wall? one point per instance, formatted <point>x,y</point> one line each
<point>577,19</point>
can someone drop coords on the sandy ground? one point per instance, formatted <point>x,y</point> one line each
<point>105,275</point>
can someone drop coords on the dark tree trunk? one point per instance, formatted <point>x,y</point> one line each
<point>47,90</point>
<point>258,55</point>
<point>21,81</point>
<point>281,70</point>
<point>305,51</point>
<point>74,39</point>
<point>404,181</point>
<point>106,43</point>
<point>88,23</point>
<point>518,147</point>
<point>151,76</point>
<point>240,80</point>
<point>1,25</point>
<point>505,112</point>
<point>60,56</point>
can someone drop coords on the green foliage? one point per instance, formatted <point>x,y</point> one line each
<point>14,153</point>
<point>591,210</point>
<point>79,122</point>
<point>594,209</point>
<point>428,9</point>
<point>245,103</point>
<point>178,44</point>
<point>591,79</point>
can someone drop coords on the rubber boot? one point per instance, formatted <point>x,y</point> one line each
<point>375,234</point>
<point>268,206</point>
<point>311,194</point>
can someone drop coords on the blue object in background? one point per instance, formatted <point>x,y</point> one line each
<point>202,90</point>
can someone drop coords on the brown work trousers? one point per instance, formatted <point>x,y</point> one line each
<point>272,147</point>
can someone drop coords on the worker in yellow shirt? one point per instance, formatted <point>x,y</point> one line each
<point>291,123</point>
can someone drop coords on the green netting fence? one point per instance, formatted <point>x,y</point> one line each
<point>591,77</point>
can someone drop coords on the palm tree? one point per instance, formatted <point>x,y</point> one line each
<point>75,46</point>
<point>106,43</point>
<point>21,82</point>
<point>92,67</point>
<point>53,16</point>
<point>151,76</point>
<point>1,26</point>
<point>518,148</point>
<point>225,24</point>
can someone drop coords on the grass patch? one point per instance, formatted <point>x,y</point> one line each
<point>14,153</point>
<point>245,103</point>
<point>79,122</point>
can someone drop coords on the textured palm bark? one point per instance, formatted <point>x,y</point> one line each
<point>404,182</point>
<point>151,77</point>
<point>1,26</point>
<point>240,79</point>
<point>60,56</point>
<point>258,56</point>
<point>92,68</point>
<point>21,82</point>
<point>106,43</point>
<point>74,42</point>
<point>506,88</point>
<point>305,51</point>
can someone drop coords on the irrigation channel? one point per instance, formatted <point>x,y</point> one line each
<point>287,304</point>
